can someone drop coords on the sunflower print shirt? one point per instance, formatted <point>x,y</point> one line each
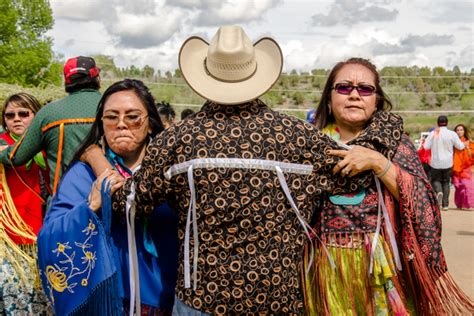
<point>250,239</point>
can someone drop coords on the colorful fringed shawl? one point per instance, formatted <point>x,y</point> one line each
<point>11,223</point>
<point>20,289</point>
<point>422,286</point>
<point>434,290</point>
<point>26,182</point>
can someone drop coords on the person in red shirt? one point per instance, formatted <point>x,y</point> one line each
<point>23,190</point>
<point>425,156</point>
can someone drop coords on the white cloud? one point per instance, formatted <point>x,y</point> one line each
<point>145,30</point>
<point>454,11</point>
<point>350,12</point>
<point>85,10</point>
<point>398,32</point>
<point>233,11</point>
<point>465,59</point>
<point>297,56</point>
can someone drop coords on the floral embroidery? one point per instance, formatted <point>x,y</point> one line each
<point>61,275</point>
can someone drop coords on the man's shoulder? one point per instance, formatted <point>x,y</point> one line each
<point>287,120</point>
<point>449,133</point>
<point>80,104</point>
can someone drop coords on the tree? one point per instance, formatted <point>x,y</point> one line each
<point>420,85</point>
<point>26,57</point>
<point>456,71</point>
<point>107,66</point>
<point>298,98</point>
<point>148,72</point>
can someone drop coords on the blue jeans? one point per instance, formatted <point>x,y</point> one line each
<point>181,309</point>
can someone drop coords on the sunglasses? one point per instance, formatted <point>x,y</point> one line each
<point>364,90</point>
<point>133,121</point>
<point>21,114</point>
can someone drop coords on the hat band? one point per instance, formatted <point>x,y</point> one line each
<point>223,66</point>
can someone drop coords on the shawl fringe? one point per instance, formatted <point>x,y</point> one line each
<point>104,299</point>
<point>21,257</point>
<point>435,291</point>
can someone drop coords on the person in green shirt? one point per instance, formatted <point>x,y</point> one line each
<point>61,126</point>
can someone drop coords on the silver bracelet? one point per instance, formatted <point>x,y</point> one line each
<point>385,170</point>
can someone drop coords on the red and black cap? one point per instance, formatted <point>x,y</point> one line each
<point>79,67</point>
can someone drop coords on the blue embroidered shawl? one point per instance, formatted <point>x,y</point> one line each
<point>85,270</point>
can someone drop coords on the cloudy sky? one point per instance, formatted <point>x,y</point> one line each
<point>312,33</point>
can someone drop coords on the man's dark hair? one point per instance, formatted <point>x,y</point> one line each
<point>442,120</point>
<point>185,113</point>
<point>83,83</point>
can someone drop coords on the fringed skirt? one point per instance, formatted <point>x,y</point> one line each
<point>350,288</point>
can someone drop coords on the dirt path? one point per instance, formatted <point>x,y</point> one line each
<point>458,244</point>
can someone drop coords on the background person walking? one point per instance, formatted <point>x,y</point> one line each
<point>442,142</point>
<point>462,173</point>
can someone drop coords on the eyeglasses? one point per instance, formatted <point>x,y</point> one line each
<point>346,88</point>
<point>21,114</point>
<point>131,120</point>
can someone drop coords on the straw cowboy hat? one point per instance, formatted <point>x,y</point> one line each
<point>230,70</point>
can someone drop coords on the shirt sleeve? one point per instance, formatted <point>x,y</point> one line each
<point>29,144</point>
<point>323,163</point>
<point>458,144</point>
<point>428,141</point>
<point>151,185</point>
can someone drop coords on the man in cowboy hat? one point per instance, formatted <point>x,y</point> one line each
<point>243,178</point>
<point>60,127</point>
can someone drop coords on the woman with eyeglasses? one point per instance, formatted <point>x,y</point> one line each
<point>92,262</point>
<point>462,173</point>
<point>23,191</point>
<point>378,250</point>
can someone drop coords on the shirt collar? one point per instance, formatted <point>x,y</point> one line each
<point>254,107</point>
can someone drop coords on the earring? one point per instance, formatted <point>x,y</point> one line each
<point>329,109</point>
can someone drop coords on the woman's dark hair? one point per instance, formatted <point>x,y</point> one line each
<point>186,112</point>
<point>23,100</point>
<point>164,108</point>
<point>142,91</point>
<point>466,131</point>
<point>83,83</point>
<point>324,116</point>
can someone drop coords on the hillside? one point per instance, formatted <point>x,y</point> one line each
<point>418,94</point>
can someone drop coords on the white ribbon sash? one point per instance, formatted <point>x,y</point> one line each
<point>270,165</point>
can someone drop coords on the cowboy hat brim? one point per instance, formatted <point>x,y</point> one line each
<point>269,60</point>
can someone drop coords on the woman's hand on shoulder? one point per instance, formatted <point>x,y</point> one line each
<point>358,159</point>
<point>113,178</point>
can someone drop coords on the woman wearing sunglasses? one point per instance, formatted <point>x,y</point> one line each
<point>21,215</point>
<point>93,263</point>
<point>380,248</point>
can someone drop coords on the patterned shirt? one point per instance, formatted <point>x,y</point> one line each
<point>249,237</point>
<point>43,133</point>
